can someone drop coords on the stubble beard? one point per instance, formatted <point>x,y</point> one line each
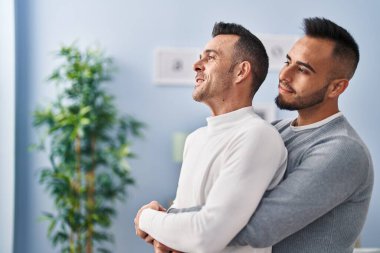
<point>207,91</point>
<point>199,94</point>
<point>302,103</point>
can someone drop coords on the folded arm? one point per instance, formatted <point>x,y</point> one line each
<point>317,185</point>
<point>249,169</point>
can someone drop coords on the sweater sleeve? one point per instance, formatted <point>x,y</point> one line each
<point>250,163</point>
<point>327,175</point>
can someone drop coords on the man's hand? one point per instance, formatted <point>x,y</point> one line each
<point>158,247</point>
<point>161,248</point>
<point>152,205</point>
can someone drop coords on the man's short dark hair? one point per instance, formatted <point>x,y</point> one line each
<point>247,48</point>
<point>346,49</point>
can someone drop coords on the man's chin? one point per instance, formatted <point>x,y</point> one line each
<point>282,105</point>
<point>196,97</point>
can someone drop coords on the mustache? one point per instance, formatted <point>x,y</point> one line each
<point>200,76</point>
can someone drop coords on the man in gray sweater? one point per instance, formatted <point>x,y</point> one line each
<point>322,203</point>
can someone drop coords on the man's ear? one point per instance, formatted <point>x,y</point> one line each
<point>337,87</point>
<point>243,71</point>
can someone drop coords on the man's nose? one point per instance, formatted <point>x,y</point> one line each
<point>286,74</point>
<point>198,66</point>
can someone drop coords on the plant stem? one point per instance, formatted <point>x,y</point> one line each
<point>77,187</point>
<point>90,178</point>
<point>72,247</point>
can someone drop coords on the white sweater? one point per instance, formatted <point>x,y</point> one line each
<point>227,167</point>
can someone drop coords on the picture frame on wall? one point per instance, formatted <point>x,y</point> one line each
<point>174,66</point>
<point>277,46</point>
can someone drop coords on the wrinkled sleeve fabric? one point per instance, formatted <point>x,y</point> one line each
<point>250,163</point>
<point>327,175</point>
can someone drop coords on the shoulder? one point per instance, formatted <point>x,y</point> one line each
<point>341,157</point>
<point>342,147</point>
<point>280,125</point>
<point>196,134</point>
<point>339,137</point>
<point>258,132</point>
<point>338,160</point>
<point>263,129</point>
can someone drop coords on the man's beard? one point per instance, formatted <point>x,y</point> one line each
<point>302,103</point>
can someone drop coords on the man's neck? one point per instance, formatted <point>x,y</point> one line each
<point>228,107</point>
<point>312,115</point>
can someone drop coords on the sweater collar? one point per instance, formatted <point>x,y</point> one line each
<point>228,120</point>
<point>316,124</point>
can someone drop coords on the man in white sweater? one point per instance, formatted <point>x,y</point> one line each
<point>235,154</point>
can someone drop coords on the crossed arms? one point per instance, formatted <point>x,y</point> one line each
<point>248,170</point>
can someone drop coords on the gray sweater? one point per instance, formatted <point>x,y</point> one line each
<point>322,203</point>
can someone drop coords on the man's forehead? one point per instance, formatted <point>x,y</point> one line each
<point>312,49</point>
<point>221,42</point>
<point>227,37</point>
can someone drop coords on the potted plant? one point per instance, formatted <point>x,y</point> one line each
<point>88,144</point>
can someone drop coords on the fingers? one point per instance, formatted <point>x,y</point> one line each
<point>155,205</point>
<point>152,205</point>
<point>149,239</point>
<point>161,247</point>
<point>160,251</point>
<point>141,233</point>
<point>159,206</point>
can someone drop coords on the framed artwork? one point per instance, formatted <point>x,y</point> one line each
<point>277,46</point>
<point>174,66</point>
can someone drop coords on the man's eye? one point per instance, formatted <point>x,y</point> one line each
<point>287,63</point>
<point>303,70</point>
<point>211,57</point>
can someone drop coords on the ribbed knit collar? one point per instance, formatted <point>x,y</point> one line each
<point>316,124</point>
<point>225,121</point>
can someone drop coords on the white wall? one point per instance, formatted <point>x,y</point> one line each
<point>7,125</point>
